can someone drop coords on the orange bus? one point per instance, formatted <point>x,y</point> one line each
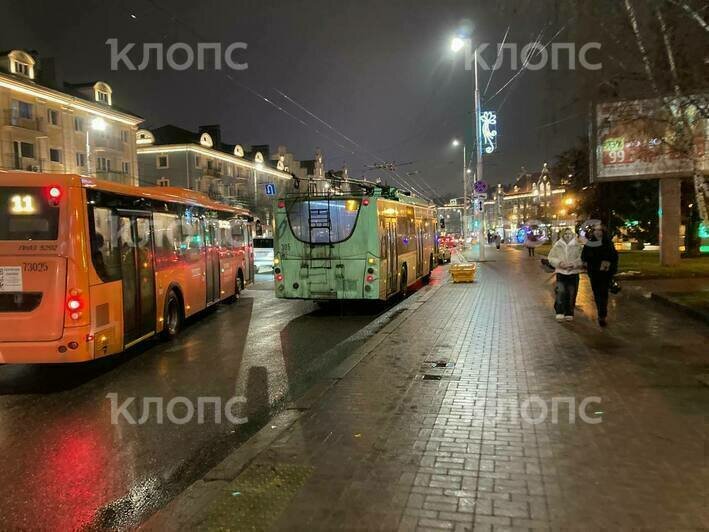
<point>89,268</point>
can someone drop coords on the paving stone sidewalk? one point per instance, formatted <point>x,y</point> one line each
<point>432,431</point>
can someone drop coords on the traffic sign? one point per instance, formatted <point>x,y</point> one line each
<point>480,186</point>
<point>270,189</point>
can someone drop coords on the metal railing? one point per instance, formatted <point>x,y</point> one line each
<point>114,175</point>
<point>107,142</point>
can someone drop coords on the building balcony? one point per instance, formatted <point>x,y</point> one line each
<point>12,118</point>
<point>28,164</point>
<point>115,176</point>
<point>103,143</point>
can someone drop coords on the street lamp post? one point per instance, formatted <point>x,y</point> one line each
<point>97,124</point>
<point>458,44</point>
<point>463,218</point>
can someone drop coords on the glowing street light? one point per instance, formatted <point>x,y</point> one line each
<point>455,142</point>
<point>457,44</point>
<point>98,124</point>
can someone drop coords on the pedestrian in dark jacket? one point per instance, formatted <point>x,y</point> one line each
<point>601,261</point>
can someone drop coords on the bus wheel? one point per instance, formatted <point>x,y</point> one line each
<point>173,316</point>
<point>238,288</point>
<point>240,285</point>
<point>404,283</point>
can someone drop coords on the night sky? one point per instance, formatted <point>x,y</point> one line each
<point>378,72</point>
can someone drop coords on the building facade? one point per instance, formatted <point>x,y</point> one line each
<point>176,157</point>
<point>73,130</point>
<point>533,198</point>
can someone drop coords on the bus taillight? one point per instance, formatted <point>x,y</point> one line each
<point>54,195</point>
<point>74,304</point>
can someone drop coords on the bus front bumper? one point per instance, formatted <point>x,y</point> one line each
<point>72,347</point>
<point>348,280</point>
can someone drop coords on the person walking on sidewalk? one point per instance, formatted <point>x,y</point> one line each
<point>565,256</point>
<point>530,242</point>
<point>497,240</point>
<point>601,261</point>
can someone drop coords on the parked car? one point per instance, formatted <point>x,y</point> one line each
<point>263,254</point>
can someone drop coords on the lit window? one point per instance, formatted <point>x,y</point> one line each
<point>21,68</point>
<point>53,117</point>
<point>26,150</point>
<point>103,164</point>
<point>23,109</point>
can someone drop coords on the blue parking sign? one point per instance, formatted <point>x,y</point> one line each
<point>270,189</point>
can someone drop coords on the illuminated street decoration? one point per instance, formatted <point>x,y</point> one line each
<point>488,126</point>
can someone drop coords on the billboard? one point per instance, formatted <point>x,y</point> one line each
<point>646,139</point>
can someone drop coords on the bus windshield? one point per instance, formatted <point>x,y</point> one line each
<point>323,221</point>
<point>26,214</point>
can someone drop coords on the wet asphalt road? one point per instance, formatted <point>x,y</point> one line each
<point>66,466</point>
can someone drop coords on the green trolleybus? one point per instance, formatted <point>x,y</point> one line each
<point>354,241</point>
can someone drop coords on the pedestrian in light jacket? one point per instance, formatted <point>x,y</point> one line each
<point>601,261</point>
<point>565,257</point>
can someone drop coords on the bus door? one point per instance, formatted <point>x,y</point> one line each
<point>248,239</point>
<point>212,265</point>
<point>135,240</point>
<point>419,248</point>
<point>393,262</point>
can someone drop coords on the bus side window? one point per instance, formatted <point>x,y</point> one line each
<point>167,237</point>
<point>105,254</point>
<point>238,233</point>
<point>224,237</point>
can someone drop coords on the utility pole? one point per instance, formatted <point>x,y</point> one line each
<point>479,164</point>
<point>465,196</point>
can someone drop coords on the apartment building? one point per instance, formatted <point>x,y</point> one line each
<point>200,160</point>
<point>75,129</point>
